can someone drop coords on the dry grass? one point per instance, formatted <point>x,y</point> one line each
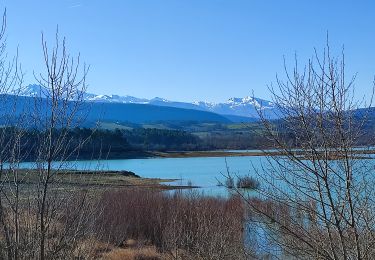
<point>92,249</point>
<point>130,250</point>
<point>143,253</point>
<point>91,180</point>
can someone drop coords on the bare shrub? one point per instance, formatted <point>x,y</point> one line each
<point>247,182</point>
<point>229,182</point>
<point>189,226</point>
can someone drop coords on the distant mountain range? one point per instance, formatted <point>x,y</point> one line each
<point>107,113</point>
<point>235,109</point>
<point>128,111</point>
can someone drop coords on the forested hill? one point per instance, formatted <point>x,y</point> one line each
<point>134,143</point>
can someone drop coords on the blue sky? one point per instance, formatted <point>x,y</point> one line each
<point>193,49</point>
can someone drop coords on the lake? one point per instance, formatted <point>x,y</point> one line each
<point>205,172</point>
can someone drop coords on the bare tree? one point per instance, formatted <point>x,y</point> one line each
<point>39,217</point>
<point>317,198</point>
<point>58,110</point>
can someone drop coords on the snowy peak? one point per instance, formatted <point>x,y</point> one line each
<point>256,102</point>
<point>33,90</point>
<point>115,99</point>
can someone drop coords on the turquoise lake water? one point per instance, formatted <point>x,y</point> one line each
<point>205,172</point>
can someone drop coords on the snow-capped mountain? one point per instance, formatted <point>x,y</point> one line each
<point>247,106</point>
<point>243,107</point>
<point>32,90</point>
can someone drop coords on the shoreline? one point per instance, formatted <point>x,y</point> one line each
<point>192,154</point>
<point>360,154</point>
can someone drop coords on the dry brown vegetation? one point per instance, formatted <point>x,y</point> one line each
<point>93,180</point>
<point>183,226</point>
<point>144,253</point>
<point>132,224</point>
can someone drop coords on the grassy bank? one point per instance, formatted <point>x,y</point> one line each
<point>94,180</point>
